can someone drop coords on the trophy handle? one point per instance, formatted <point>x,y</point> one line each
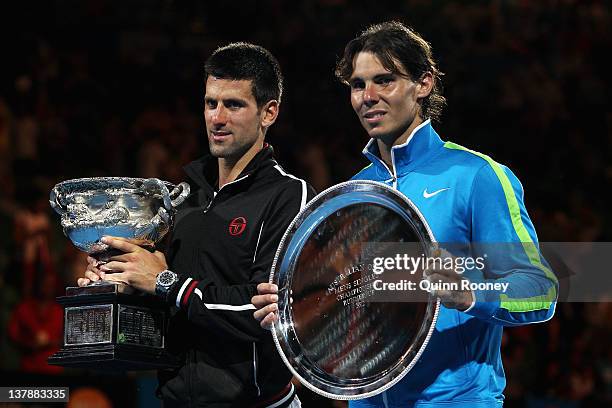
<point>154,184</point>
<point>180,192</point>
<point>54,196</point>
<point>173,199</point>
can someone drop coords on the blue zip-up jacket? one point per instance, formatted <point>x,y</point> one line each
<point>465,196</point>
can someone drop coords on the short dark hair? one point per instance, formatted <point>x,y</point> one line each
<point>393,42</point>
<point>237,61</point>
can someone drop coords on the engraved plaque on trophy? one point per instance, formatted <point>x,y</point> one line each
<point>106,328</point>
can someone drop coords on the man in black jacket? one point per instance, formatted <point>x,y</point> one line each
<point>222,245</point>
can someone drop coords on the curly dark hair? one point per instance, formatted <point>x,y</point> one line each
<point>402,51</point>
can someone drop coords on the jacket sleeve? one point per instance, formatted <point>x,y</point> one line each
<point>504,234</point>
<point>227,310</point>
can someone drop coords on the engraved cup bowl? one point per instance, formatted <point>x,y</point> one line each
<point>135,208</point>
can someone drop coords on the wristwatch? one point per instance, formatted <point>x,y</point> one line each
<point>165,281</point>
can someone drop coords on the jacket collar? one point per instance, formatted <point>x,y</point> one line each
<point>420,146</point>
<point>205,170</point>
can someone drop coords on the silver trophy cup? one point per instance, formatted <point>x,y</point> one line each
<point>138,209</point>
<point>105,328</point>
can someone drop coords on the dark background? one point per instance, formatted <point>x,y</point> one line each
<point>100,87</point>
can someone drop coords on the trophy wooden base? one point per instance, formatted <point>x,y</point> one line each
<point>107,330</point>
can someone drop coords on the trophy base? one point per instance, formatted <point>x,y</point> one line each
<point>107,329</point>
<point>113,357</point>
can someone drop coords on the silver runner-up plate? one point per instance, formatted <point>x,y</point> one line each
<point>337,334</point>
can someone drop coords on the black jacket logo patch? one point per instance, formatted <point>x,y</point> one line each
<point>237,226</point>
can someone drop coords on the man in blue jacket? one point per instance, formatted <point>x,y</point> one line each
<point>466,197</point>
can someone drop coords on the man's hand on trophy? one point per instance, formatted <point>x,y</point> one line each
<point>136,267</point>
<point>92,273</point>
<point>445,283</point>
<point>452,298</point>
<point>265,302</point>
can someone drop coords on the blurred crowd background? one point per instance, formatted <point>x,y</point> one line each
<point>100,88</point>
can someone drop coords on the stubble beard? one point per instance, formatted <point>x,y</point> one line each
<point>391,136</point>
<point>232,152</point>
<point>386,137</point>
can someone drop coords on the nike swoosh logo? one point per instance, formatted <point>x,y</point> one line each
<point>429,195</point>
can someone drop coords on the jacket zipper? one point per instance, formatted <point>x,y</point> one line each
<point>392,174</point>
<point>255,369</point>
<point>374,158</point>
<point>216,193</point>
<point>385,400</point>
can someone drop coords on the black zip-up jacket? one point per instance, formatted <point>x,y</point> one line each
<point>222,245</point>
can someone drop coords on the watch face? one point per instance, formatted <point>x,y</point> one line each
<point>166,278</point>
